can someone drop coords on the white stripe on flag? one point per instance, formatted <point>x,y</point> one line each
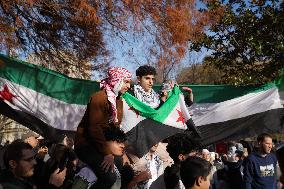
<point>179,115</point>
<point>130,118</point>
<point>243,106</point>
<point>53,112</point>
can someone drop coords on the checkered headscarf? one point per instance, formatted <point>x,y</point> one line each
<point>112,84</point>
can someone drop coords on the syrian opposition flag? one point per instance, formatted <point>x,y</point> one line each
<point>224,113</point>
<point>45,101</point>
<point>51,104</point>
<point>146,126</point>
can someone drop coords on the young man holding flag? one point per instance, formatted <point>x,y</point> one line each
<point>144,91</point>
<point>154,117</point>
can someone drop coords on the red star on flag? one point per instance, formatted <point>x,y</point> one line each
<point>5,94</point>
<point>180,118</point>
<point>136,111</point>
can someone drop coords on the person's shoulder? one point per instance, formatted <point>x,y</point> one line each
<point>272,156</point>
<point>100,93</point>
<point>9,181</point>
<point>252,156</point>
<point>5,175</point>
<point>11,186</point>
<point>99,96</point>
<point>158,183</point>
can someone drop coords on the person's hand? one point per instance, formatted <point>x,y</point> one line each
<point>42,152</point>
<point>187,89</point>
<point>190,93</point>
<point>57,178</point>
<point>144,175</point>
<point>125,159</point>
<point>108,163</point>
<point>164,95</point>
<point>225,157</point>
<point>172,84</point>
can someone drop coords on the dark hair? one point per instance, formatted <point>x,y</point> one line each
<point>145,70</point>
<point>262,136</point>
<point>113,133</point>
<point>180,143</point>
<point>192,168</point>
<point>171,176</point>
<point>14,151</point>
<point>127,174</point>
<point>280,157</point>
<point>239,153</point>
<point>61,157</point>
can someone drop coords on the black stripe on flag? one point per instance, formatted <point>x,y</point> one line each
<point>148,133</point>
<point>33,123</point>
<point>271,121</point>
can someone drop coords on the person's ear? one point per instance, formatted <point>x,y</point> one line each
<point>138,79</point>
<point>12,164</point>
<point>26,140</point>
<point>199,181</point>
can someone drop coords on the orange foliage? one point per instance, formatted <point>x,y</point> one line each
<point>173,24</point>
<point>77,27</point>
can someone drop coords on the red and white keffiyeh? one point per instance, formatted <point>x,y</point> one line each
<point>112,84</point>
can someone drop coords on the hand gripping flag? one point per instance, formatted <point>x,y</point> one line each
<point>146,126</point>
<point>51,103</point>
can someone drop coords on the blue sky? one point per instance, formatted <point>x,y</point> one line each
<point>135,45</point>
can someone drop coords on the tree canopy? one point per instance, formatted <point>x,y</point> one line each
<point>248,42</point>
<point>198,73</point>
<point>78,31</point>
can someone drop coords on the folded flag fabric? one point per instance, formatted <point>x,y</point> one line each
<point>43,100</point>
<point>52,104</point>
<point>223,113</point>
<point>146,126</point>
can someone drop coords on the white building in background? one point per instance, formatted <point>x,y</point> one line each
<point>10,130</point>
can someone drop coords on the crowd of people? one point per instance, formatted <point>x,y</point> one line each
<point>98,157</point>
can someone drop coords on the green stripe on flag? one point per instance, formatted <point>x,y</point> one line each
<point>47,82</point>
<point>280,82</point>
<point>221,93</point>
<point>78,91</point>
<point>158,115</point>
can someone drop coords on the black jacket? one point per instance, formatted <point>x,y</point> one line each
<point>9,181</point>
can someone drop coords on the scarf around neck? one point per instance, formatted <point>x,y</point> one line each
<point>112,84</point>
<point>150,98</point>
